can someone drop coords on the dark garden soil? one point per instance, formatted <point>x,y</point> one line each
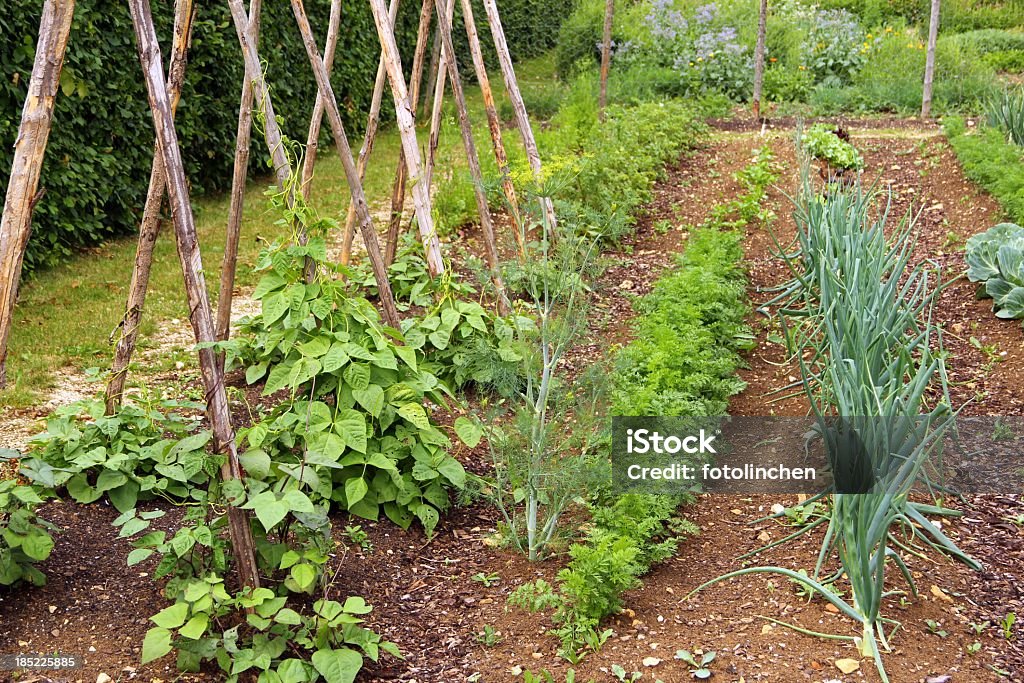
<point>425,597</point>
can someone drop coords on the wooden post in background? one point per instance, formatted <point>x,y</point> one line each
<point>195,286</point>
<point>606,57</point>
<point>493,122</point>
<point>29,149</point>
<point>313,136</point>
<point>380,272</point>
<point>398,189</point>
<point>762,30</point>
<point>444,25</point>
<point>407,131</point>
<point>522,118</point>
<point>929,66</point>
<point>372,122</point>
<point>149,229</point>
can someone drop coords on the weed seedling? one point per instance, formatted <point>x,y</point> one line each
<point>1007,625</point>
<point>933,627</point>
<point>1002,432</point>
<point>698,669</point>
<point>355,534</point>
<point>487,580</point>
<point>488,637</point>
<point>980,628</point>
<point>621,675</point>
<point>973,648</point>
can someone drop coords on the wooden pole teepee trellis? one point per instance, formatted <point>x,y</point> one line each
<point>313,137</point>
<point>168,176</point>
<point>149,229</point>
<point>29,148</point>
<point>369,137</point>
<point>444,26</point>
<point>398,188</point>
<point>508,72</point>
<point>239,174</point>
<point>195,286</point>
<point>407,131</point>
<point>493,122</point>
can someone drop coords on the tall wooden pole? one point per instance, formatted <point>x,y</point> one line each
<point>366,229</point>
<point>239,175</point>
<point>444,25</point>
<point>29,149</point>
<point>437,99</point>
<point>407,131</point>
<point>762,30</point>
<point>929,67</point>
<point>372,122</point>
<point>313,136</point>
<point>184,18</point>
<point>606,57</point>
<point>522,118</point>
<point>398,189</point>
<point>493,122</point>
<point>195,286</point>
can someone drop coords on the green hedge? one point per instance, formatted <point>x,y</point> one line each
<point>100,150</point>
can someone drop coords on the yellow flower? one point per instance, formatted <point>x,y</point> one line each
<point>888,29</point>
<point>700,59</point>
<point>870,36</point>
<point>691,63</point>
<point>803,68</point>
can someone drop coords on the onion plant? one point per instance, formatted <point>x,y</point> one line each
<point>858,317</point>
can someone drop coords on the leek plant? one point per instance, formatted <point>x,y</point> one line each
<point>858,317</point>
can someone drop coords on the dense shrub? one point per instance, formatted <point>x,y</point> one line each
<point>891,80</point>
<point>100,150</point>
<point>1002,50</point>
<point>957,15</point>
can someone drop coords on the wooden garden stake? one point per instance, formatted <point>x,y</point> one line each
<point>243,138</point>
<point>195,286</point>
<point>522,118</point>
<point>29,149</point>
<point>762,28</point>
<point>929,66</point>
<point>398,189</point>
<point>606,57</point>
<point>407,130</point>
<point>437,101</point>
<point>387,299</point>
<point>372,121</point>
<point>184,17</point>
<point>444,25</point>
<point>493,122</point>
<point>313,137</point>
